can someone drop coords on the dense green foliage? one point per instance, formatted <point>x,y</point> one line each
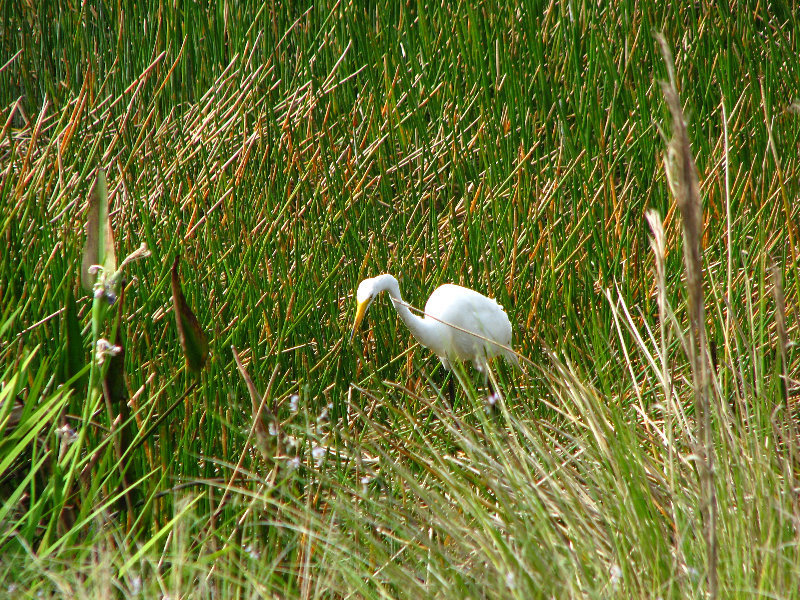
<point>287,152</point>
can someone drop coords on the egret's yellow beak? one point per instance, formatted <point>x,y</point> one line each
<point>361,310</point>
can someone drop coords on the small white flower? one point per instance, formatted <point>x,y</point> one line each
<point>491,403</point>
<point>252,551</point>
<point>318,454</point>
<point>105,349</point>
<point>616,575</point>
<point>294,463</point>
<point>66,433</point>
<point>136,584</point>
<point>510,582</point>
<point>273,428</point>
<point>294,402</point>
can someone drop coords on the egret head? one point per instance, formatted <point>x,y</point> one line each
<point>365,294</point>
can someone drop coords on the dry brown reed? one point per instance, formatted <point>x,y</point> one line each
<point>683,182</point>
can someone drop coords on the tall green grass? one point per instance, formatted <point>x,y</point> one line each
<point>285,153</point>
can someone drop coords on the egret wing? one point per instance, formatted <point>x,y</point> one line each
<point>464,312</point>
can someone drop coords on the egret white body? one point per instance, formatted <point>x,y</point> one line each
<point>459,324</point>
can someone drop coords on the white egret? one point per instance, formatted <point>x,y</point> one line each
<point>459,324</point>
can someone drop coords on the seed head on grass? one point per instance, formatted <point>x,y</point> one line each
<point>684,184</point>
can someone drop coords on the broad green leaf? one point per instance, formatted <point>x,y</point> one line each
<point>30,426</point>
<point>10,405</point>
<point>22,487</point>
<point>115,390</point>
<point>115,387</point>
<point>99,247</point>
<point>114,380</point>
<point>193,339</point>
<point>75,353</point>
<point>7,320</point>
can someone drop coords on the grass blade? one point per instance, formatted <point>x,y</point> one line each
<point>192,337</point>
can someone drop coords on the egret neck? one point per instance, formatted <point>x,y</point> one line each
<point>421,328</point>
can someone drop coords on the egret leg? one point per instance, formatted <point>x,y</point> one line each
<point>452,389</point>
<point>448,372</point>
